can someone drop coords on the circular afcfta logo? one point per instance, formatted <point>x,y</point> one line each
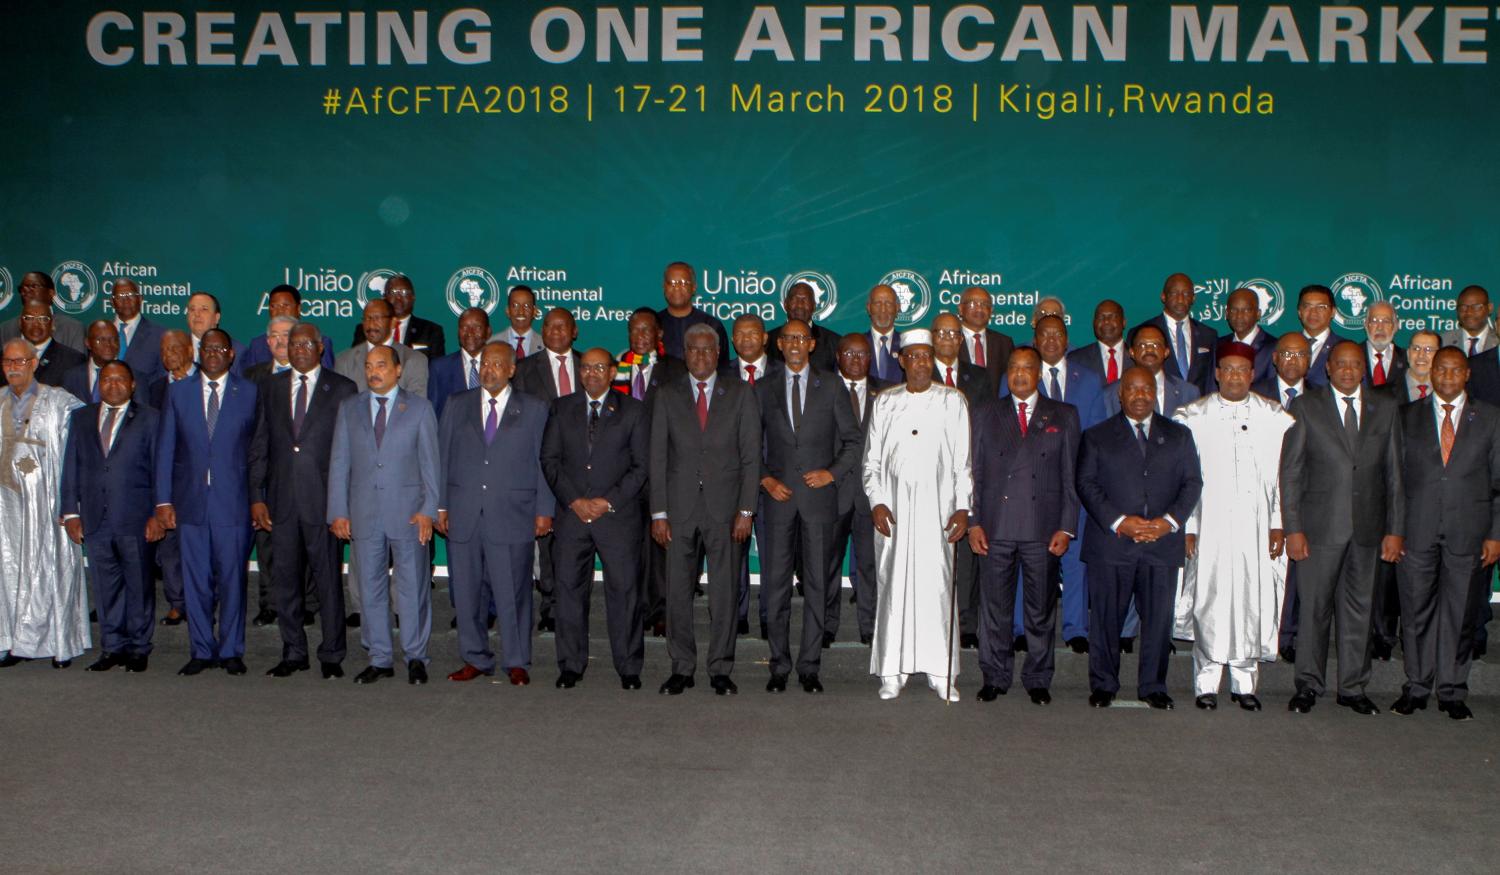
<point>913,294</point>
<point>77,287</point>
<point>825,291</point>
<point>7,291</point>
<point>1353,295</point>
<point>372,285</point>
<point>473,287</point>
<point>1271,296</point>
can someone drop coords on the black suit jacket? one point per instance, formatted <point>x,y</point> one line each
<point>829,439</point>
<point>421,334</point>
<point>1265,350</point>
<point>997,350</point>
<point>1333,490</point>
<point>704,475</point>
<point>113,494</point>
<point>666,369</point>
<point>76,381</point>
<point>261,371</point>
<point>1317,369</point>
<point>1024,487</point>
<point>1484,377</point>
<point>56,362</point>
<point>824,356</point>
<point>1115,480</point>
<point>969,379</point>
<point>534,374</point>
<point>1201,365</point>
<point>1089,358</point>
<point>290,474</point>
<point>1395,365</point>
<point>613,467</point>
<point>1455,503</point>
<point>852,485</point>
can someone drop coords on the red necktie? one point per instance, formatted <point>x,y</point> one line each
<point>703,407</point>
<point>749,375</point>
<point>520,348</point>
<point>1022,416</point>
<point>979,350</point>
<point>1379,376</point>
<point>564,385</point>
<point>949,378</point>
<point>1423,389</point>
<point>1113,373</point>
<point>396,332</point>
<point>1445,438</point>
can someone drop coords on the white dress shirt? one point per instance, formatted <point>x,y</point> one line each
<point>1283,385</point>
<point>468,362</point>
<point>744,366</point>
<point>1030,407</point>
<point>312,384</point>
<point>1103,350</point>
<point>1187,339</point>
<point>566,362</point>
<point>1045,381</point>
<point>1339,405</point>
<point>1438,412</point>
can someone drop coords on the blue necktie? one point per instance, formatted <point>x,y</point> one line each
<point>1140,437</point>
<point>1290,394</point>
<point>1182,359</point>
<point>473,372</point>
<point>211,415</point>
<point>1054,391</point>
<point>96,386</point>
<point>124,340</point>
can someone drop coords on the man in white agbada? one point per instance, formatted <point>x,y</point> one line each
<point>917,478</point>
<point>43,608</point>
<point>1232,585</point>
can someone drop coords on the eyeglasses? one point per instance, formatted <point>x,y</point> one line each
<point>1425,349</point>
<point>1292,354</point>
<point>1474,307</point>
<point>127,296</point>
<point>594,369</point>
<point>677,284</point>
<point>16,363</point>
<point>34,318</point>
<point>948,334</point>
<point>1150,344</point>
<point>795,338</point>
<point>1317,308</point>
<point>302,344</point>
<point>213,347</point>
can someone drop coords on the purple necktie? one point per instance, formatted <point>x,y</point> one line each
<point>638,388</point>
<point>491,423</point>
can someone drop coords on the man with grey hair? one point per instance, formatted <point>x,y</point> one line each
<point>1049,306</point>
<point>43,610</point>
<point>1385,362</point>
<point>37,286</point>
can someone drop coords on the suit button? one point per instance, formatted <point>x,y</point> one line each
<point>483,487</point>
<point>296,449</point>
<point>380,464</point>
<point>588,467</point>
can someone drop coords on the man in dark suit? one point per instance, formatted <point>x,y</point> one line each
<point>883,306</point>
<point>855,534</point>
<point>383,473</point>
<point>204,312</point>
<point>1484,384</point>
<point>1191,342</point>
<point>1025,514</point>
<point>800,304</point>
<point>139,337</point>
<point>1315,311</point>
<point>983,345</point>
<point>1108,356</point>
<point>104,347</point>
<point>1149,349</point>
<point>419,334</point>
<point>595,456</point>
<point>1289,361</point>
<point>289,461</point>
<point>283,300</point>
<point>106,505</point>
<point>37,286</point>
<point>1341,510</point>
<point>1385,362</point>
<point>1242,313</point>
<point>1138,478</point>
<point>54,360</point>
<point>1451,475</point>
<point>678,285</point>
<point>705,468</point>
<point>751,364</point>
<point>277,336</point>
<point>809,438</point>
<point>202,489</point>
<point>974,383</point>
<point>459,370</point>
<point>494,504</point>
<point>176,353</point>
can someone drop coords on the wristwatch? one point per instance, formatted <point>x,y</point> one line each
<point>747,513</point>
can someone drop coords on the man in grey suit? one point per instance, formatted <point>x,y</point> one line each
<point>1450,475</point>
<point>493,506</point>
<point>1341,510</point>
<point>377,327</point>
<point>705,470</point>
<point>382,497</point>
<point>1474,333</point>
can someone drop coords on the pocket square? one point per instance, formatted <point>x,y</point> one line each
<point>1051,429</point>
<point>1203,349</point>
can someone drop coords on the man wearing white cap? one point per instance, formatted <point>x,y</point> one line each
<point>917,477</point>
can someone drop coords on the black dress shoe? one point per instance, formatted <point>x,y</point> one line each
<point>1207,702</point>
<point>764,634</point>
<point>866,639</point>
<point>676,684</point>
<point>286,668</point>
<point>1456,710</point>
<point>1479,649</point>
<point>11,660</point>
<point>742,627</point>
<point>195,666</point>
<point>1382,651</point>
<point>174,617</point>
<point>1246,701</point>
<point>1304,701</point>
<point>828,639</point>
<point>352,621</point>
<point>309,619</point>
<point>266,617</point>
<point>373,673</point>
<point>1039,696</point>
<point>722,685</point>
<point>546,624</point>
<point>93,616</point>
<point>1159,701</point>
<point>136,663</point>
<point>1078,644</point>
<point>810,683</point>
<point>1018,644</point>
<point>332,670</point>
<point>234,665</point>
<point>1100,699</point>
<point>1358,704</point>
<point>61,663</point>
<point>1127,645</point>
<point>568,680</point>
<point>106,661</point>
<point>1289,654</point>
<point>853,598</point>
<point>416,673</point>
<point>630,682</point>
<point>989,693</point>
<point>777,684</point>
<point>1409,705</point>
<point>968,641</point>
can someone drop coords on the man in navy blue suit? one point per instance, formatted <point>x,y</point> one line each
<point>493,504</point>
<point>107,506</point>
<point>1315,310</point>
<point>283,300</point>
<point>1139,479</point>
<point>103,343</point>
<point>1242,313</point>
<point>1025,514</point>
<point>1191,341</point>
<point>203,491</point>
<point>885,343</point>
<point>139,337</point>
<point>459,370</point>
<point>1108,356</point>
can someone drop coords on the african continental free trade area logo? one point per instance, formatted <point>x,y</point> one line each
<point>825,291</point>
<point>372,285</point>
<point>6,291</point>
<point>913,294</point>
<point>473,287</point>
<point>77,287</point>
<point>1353,295</point>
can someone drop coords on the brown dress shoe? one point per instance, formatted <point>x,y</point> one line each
<point>519,677</point>
<point>467,673</point>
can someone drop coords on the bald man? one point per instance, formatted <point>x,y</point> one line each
<point>1192,342</point>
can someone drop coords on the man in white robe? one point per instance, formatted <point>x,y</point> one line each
<point>917,477</point>
<point>43,606</point>
<point>1232,585</point>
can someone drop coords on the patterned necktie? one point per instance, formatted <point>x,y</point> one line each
<point>564,385</point>
<point>979,350</point>
<point>520,347</point>
<point>749,375</point>
<point>796,402</point>
<point>1112,373</point>
<point>1290,394</point>
<point>107,431</point>
<point>211,416</point>
<point>949,379</point>
<point>124,339</point>
<point>854,402</point>
<point>1445,439</point>
<point>1021,417</point>
<point>1181,352</point>
<point>473,373</point>
<point>593,421</point>
<point>299,408</point>
<point>1421,388</point>
<point>703,407</point>
<point>1378,378</point>
<point>379,423</point>
<point>1351,422</point>
<point>1140,437</point>
<point>638,385</point>
<point>1054,389</point>
<point>491,423</point>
